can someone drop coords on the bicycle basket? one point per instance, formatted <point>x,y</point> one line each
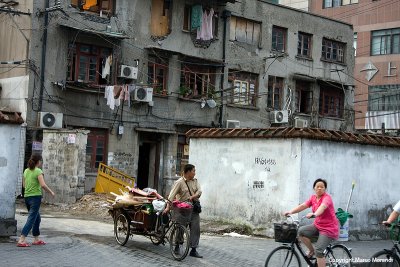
<point>181,215</point>
<point>285,232</point>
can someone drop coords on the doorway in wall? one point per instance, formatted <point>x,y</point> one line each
<point>149,160</point>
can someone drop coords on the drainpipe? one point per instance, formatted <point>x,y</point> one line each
<point>225,15</point>
<point>43,62</point>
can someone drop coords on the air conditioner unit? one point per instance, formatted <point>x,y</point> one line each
<point>50,120</point>
<point>143,94</point>
<point>279,116</point>
<point>300,123</point>
<point>128,72</point>
<point>232,124</point>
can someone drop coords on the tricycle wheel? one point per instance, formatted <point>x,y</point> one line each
<point>121,229</point>
<point>179,242</point>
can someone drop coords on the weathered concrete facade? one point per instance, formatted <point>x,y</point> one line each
<point>255,180</point>
<point>151,146</point>
<point>64,153</point>
<point>10,134</point>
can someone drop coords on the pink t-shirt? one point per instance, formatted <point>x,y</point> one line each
<point>326,223</point>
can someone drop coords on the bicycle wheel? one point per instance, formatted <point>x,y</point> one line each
<point>283,256</point>
<point>121,229</point>
<point>338,256</point>
<point>384,258</point>
<point>179,242</point>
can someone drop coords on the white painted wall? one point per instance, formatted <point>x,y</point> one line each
<point>9,154</point>
<point>374,169</point>
<point>227,170</point>
<point>10,136</point>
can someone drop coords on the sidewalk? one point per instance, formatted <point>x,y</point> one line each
<point>78,242</point>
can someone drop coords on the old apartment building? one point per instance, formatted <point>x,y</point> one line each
<point>139,74</point>
<point>377,57</point>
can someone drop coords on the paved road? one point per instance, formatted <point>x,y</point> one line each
<point>72,242</point>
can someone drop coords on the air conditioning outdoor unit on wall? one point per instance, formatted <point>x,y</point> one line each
<point>279,116</point>
<point>50,120</point>
<point>232,124</point>
<point>300,123</point>
<point>143,94</point>
<point>128,72</point>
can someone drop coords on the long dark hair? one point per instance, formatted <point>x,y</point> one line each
<point>33,161</point>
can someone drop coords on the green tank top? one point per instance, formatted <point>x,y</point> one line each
<point>32,185</point>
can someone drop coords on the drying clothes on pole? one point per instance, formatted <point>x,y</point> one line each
<point>205,31</point>
<point>107,66</point>
<point>109,95</point>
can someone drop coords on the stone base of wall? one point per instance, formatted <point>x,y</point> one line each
<point>8,227</point>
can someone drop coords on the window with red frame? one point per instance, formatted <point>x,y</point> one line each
<point>85,63</point>
<point>197,81</point>
<point>304,45</point>
<point>275,91</point>
<point>96,149</point>
<point>303,97</point>
<point>331,102</point>
<point>245,88</point>
<point>332,51</point>
<point>279,38</point>
<point>157,75</point>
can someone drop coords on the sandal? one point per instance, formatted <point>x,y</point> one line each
<point>23,245</point>
<point>39,242</point>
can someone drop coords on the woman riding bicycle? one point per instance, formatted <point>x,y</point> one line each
<point>326,225</point>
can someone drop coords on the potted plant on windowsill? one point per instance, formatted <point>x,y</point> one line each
<point>185,92</point>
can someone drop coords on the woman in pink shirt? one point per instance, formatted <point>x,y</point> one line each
<point>326,225</point>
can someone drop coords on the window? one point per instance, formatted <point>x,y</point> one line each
<point>244,31</point>
<point>160,17</point>
<point>303,97</point>
<point>182,157</point>
<point>336,3</point>
<point>331,102</point>
<point>197,81</point>
<point>95,149</point>
<point>332,51</point>
<point>355,44</point>
<point>349,2</point>
<point>279,39</point>
<point>85,63</point>
<point>96,6</point>
<point>157,75</point>
<point>331,3</point>
<point>189,21</point>
<point>384,97</point>
<point>385,42</point>
<point>304,45</point>
<point>245,90</point>
<point>275,92</point>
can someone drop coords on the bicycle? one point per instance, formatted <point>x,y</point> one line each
<point>170,227</point>
<point>287,256</point>
<point>388,257</point>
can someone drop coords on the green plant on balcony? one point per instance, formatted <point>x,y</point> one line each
<point>185,91</point>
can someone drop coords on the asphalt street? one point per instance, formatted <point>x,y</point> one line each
<point>76,242</point>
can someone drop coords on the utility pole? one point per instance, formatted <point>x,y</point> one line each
<point>43,61</point>
<point>225,15</point>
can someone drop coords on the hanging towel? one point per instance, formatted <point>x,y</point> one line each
<point>106,68</point>
<point>196,16</point>
<point>109,95</point>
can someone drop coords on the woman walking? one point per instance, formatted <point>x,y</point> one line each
<point>33,182</point>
